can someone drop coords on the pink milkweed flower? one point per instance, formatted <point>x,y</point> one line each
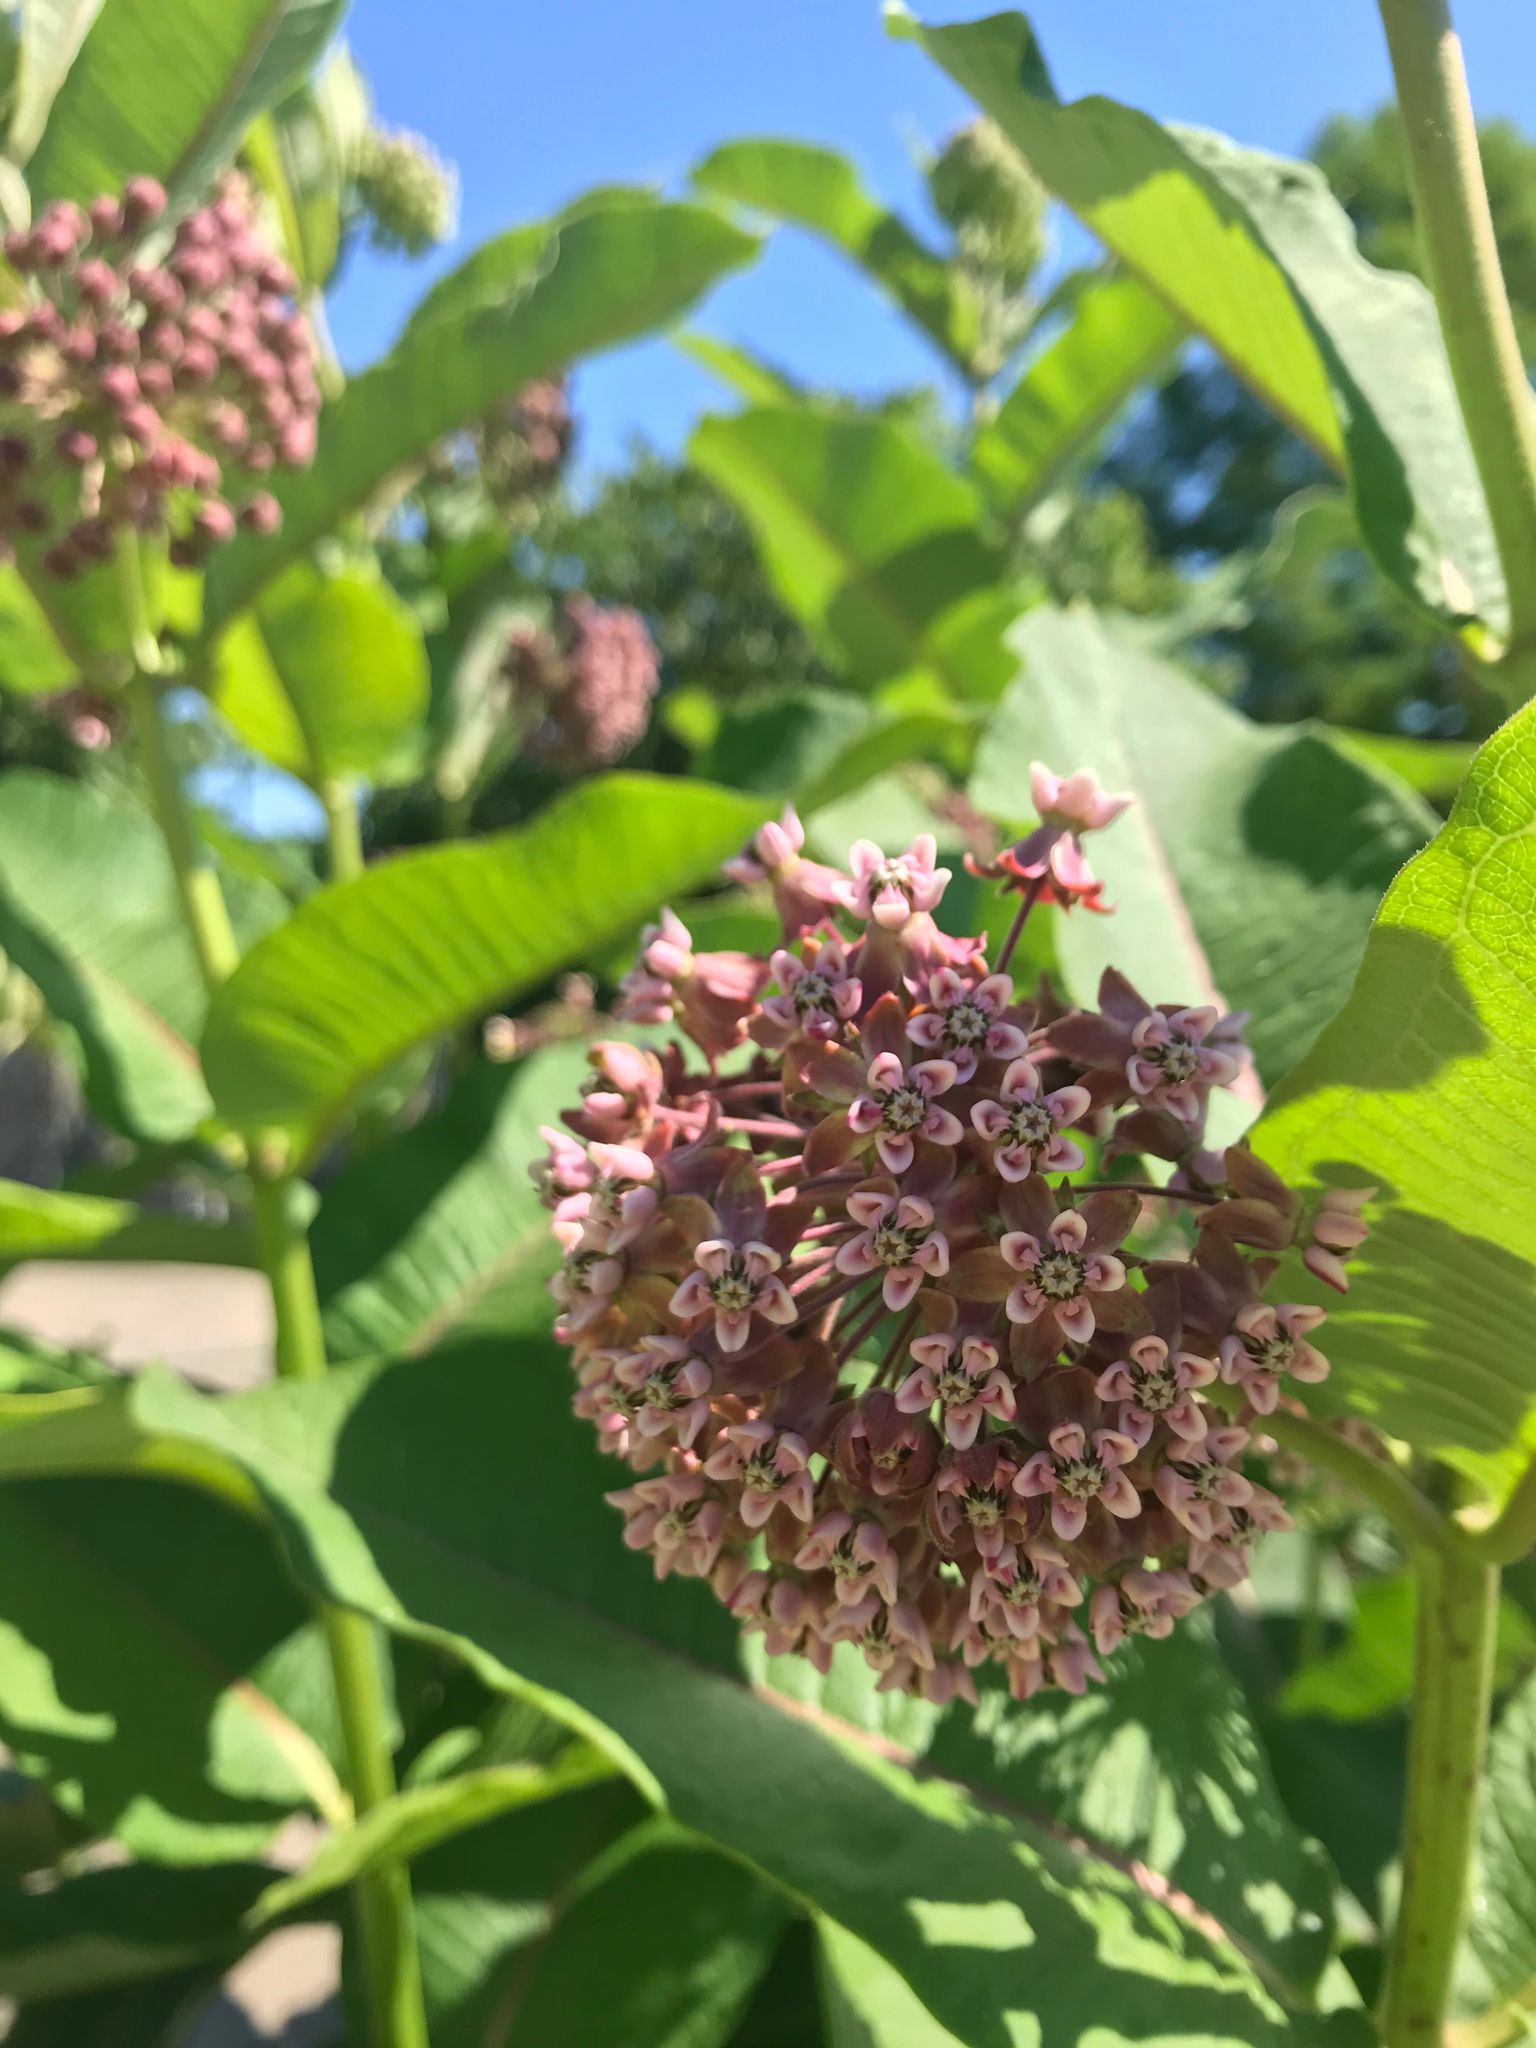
<point>1025,1124</point>
<point>787,1615</point>
<point>1078,1469</point>
<point>967,1389</point>
<point>890,889</point>
<point>670,1384</point>
<point>586,1283</point>
<point>858,1554</point>
<point>945,1682</point>
<point>676,1517</point>
<point>1158,1386</point>
<point>877,1447</point>
<point>897,1235</point>
<point>665,957</point>
<point>1010,1594</point>
<point>709,994</point>
<point>965,1019</point>
<point>1071,1661</point>
<point>1337,1230</point>
<point>1221,1561</point>
<point>1267,1342</point>
<point>770,1465</point>
<point>804,891</point>
<point>733,1283</point>
<point>1050,859</point>
<point>820,993</point>
<point>894,1639</point>
<point>620,1099</point>
<point>1059,1276</point>
<point>564,1171</point>
<point>1138,1603</point>
<point>1178,1057</point>
<point>973,1496</point>
<point>623,1197</point>
<point>902,1105</point>
<point>1196,1485</point>
<point>609,1407</point>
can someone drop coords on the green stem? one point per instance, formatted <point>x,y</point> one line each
<point>202,899</point>
<point>1453,1646</point>
<point>343,828</point>
<point>1511,1535</point>
<point>1462,260</point>
<point>397,2015</point>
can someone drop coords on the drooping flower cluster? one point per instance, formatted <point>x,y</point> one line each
<point>588,683</point>
<point>143,392</point>
<point>884,1372</point>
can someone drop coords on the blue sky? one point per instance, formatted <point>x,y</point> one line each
<point>537,99</point>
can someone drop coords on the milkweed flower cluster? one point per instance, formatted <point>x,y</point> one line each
<point>588,682</point>
<point>149,391</point>
<point>882,1370</point>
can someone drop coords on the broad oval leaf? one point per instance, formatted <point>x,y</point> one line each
<point>1425,1085</point>
<point>1256,255</point>
<point>168,87</point>
<point>1247,869</point>
<point>118,1928</point>
<point>44,1223</point>
<point>364,971</point>
<point>866,535</point>
<point>608,276</point>
<point>820,189</point>
<point>1117,336</point>
<point>326,675</point>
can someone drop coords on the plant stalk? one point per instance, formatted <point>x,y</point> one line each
<point>343,829</point>
<point>392,1975</point>
<point>397,2015</point>
<point>1462,260</point>
<point>1453,1655</point>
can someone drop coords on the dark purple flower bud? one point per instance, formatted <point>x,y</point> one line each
<point>214,520</point>
<point>157,290</point>
<point>184,554</point>
<point>140,422</point>
<point>199,270</point>
<point>261,514</point>
<point>78,347</point>
<point>32,516</point>
<point>199,365</point>
<point>12,324</point>
<point>157,381</point>
<point>296,443</point>
<point>143,202</point>
<point>228,426</point>
<point>19,251</point>
<point>45,323</point>
<point>118,385</point>
<point>15,455</point>
<point>163,340</point>
<point>96,281</point>
<point>91,539</point>
<point>259,457</point>
<point>117,339</point>
<point>106,219</point>
<point>52,246</point>
<point>204,324</point>
<point>10,380</point>
<point>62,561</point>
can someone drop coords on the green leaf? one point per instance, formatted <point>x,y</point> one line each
<point>819,745</point>
<point>41,1223</point>
<point>1248,867</point>
<point>157,1669</point>
<point>1255,254</point>
<point>455,1498</point>
<point>820,190</point>
<point>1502,1933</point>
<point>755,381</point>
<point>363,972</point>
<point>413,1821</point>
<point>51,31</point>
<point>663,1945</point>
<point>143,2015</point>
<point>867,2003</point>
<point>168,88</point>
<point>867,537</point>
<point>1162,1764</point>
<point>111,962</point>
<point>1425,1085</point>
<point>31,658</point>
<point>1118,336</point>
<point>119,1927</point>
<point>1433,767</point>
<point>326,676</point>
<point>444,1228</point>
<point>302,155</point>
<point>607,277</point>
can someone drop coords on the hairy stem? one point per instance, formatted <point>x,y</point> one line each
<point>397,2016</point>
<point>1462,259</point>
<point>1454,1645</point>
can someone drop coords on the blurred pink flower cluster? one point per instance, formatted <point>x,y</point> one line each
<point>588,682</point>
<point>148,380</point>
<point>882,1372</point>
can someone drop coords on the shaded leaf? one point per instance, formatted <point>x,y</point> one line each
<point>1433,767</point>
<point>820,189</point>
<point>326,675</point>
<point>608,276</point>
<point>756,381</point>
<point>157,1670</point>
<point>50,33</point>
<point>1256,255</point>
<point>1502,1932</point>
<point>168,88</point>
<point>364,971</point>
<point>1425,1085</point>
<point>119,1927</point>
<point>1249,865</point>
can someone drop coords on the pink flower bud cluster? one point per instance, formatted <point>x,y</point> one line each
<point>522,446</point>
<point>588,683</point>
<point>883,1373</point>
<point>148,393</point>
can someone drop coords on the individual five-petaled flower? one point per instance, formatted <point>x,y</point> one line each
<point>1024,1124</point>
<point>964,1019</point>
<point>1060,1274</point>
<point>734,1282</point>
<point>1079,1468</point>
<point>967,1388</point>
<point>896,1239</point>
<point>901,1104</point>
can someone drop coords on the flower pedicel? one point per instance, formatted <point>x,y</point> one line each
<point>884,1374</point>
